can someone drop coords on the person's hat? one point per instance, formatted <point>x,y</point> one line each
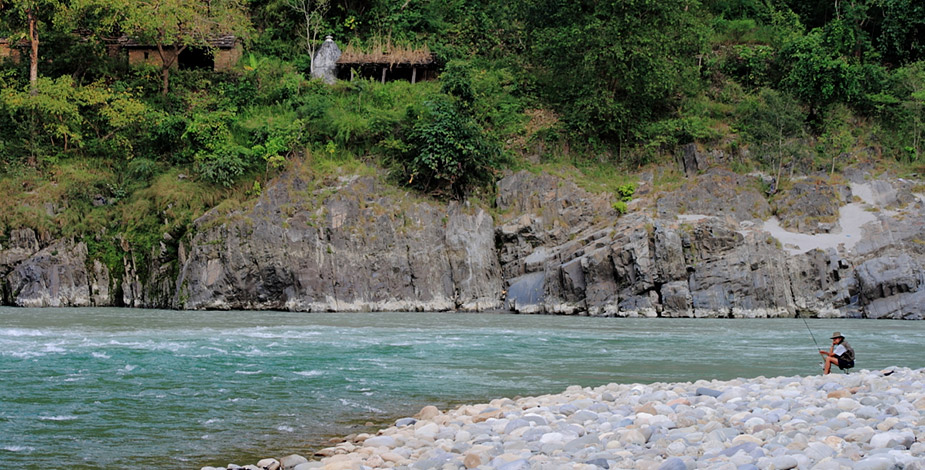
<point>836,335</point>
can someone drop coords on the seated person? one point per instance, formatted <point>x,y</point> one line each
<point>839,354</point>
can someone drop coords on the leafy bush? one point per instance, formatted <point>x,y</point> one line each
<point>820,76</point>
<point>837,138</point>
<point>448,152</point>
<point>496,103</point>
<point>609,71</point>
<point>625,194</point>
<point>620,207</point>
<point>626,191</point>
<point>224,165</point>
<point>771,120</point>
<point>769,117</point>
<point>751,65</point>
<point>456,81</point>
<point>272,133</point>
<point>901,106</point>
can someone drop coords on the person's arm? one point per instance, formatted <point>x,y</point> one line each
<point>829,353</point>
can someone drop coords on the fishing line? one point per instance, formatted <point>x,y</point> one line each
<point>810,333</point>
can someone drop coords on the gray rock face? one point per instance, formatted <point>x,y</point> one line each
<point>811,206</point>
<point>887,276</point>
<point>718,193</point>
<point>634,265</point>
<point>56,276</point>
<point>824,283</point>
<point>22,245</point>
<point>353,250</point>
<point>354,244</point>
<point>709,265</point>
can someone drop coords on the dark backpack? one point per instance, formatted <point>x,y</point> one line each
<point>847,358</point>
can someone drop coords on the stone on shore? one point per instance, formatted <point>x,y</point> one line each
<point>269,464</point>
<point>289,462</point>
<point>867,420</point>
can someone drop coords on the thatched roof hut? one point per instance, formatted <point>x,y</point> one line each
<point>387,62</point>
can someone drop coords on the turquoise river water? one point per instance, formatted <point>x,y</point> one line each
<point>117,388</point>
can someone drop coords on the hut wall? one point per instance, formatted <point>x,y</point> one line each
<point>148,56</point>
<point>226,59</point>
<point>8,53</point>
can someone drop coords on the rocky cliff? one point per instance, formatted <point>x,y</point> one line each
<point>345,247</point>
<point>710,248</point>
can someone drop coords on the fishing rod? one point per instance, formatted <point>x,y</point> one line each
<point>810,333</point>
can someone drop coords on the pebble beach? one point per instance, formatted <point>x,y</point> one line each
<point>868,420</point>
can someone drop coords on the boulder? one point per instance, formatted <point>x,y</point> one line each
<point>886,276</point>
<point>55,276</point>
<point>289,462</point>
<point>324,62</point>
<point>268,464</point>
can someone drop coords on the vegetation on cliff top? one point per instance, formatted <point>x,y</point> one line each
<point>93,148</point>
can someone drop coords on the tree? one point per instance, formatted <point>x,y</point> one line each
<point>175,25</point>
<point>313,12</point>
<point>820,72</point>
<point>610,67</point>
<point>771,119</point>
<point>26,16</point>
<point>903,108</point>
<point>899,30</point>
<point>61,117</point>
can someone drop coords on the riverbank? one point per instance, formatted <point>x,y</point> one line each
<point>869,419</point>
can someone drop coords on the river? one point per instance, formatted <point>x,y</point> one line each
<point>95,388</point>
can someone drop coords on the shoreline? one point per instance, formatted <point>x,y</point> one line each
<point>869,419</point>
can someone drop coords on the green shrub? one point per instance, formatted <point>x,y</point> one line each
<point>224,165</point>
<point>456,81</point>
<point>624,194</point>
<point>751,65</point>
<point>626,191</point>
<point>620,207</point>
<point>272,133</point>
<point>449,153</point>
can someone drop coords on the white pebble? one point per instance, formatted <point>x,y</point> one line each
<point>863,421</point>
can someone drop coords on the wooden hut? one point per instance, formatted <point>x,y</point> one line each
<point>223,55</point>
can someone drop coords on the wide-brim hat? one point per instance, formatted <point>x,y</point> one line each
<point>836,335</point>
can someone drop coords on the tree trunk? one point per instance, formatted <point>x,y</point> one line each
<point>34,52</point>
<point>166,63</point>
<point>165,77</point>
<point>309,45</point>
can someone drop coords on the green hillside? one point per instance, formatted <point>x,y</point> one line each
<point>96,149</point>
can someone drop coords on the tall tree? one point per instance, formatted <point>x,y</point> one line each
<point>899,30</point>
<point>610,66</point>
<point>26,17</point>
<point>313,12</point>
<point>175,25</point>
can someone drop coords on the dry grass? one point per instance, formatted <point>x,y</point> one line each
<point>383,51</point>
<point>540,119</point>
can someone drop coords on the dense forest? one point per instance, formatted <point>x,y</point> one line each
<point>96,149</point>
